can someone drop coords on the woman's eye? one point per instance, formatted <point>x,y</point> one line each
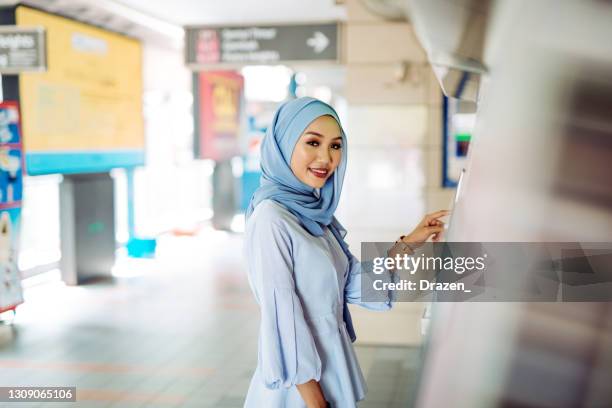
<point>314,143</point>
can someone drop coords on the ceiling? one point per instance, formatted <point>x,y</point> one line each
<point>194,12</point>
<point>162,22</point>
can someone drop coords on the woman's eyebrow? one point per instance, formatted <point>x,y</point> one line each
<point>312,132</point>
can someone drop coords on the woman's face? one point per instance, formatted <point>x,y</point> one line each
<point>318,152</point>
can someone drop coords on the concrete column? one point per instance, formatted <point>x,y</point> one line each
<point>395,150</point>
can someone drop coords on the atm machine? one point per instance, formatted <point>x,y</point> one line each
<point>539,170</point>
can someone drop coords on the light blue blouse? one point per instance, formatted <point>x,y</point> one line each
<point>301,283</point>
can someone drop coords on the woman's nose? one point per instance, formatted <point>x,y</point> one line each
<point>324,155</point>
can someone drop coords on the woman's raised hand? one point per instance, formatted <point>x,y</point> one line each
<point>430,226</point>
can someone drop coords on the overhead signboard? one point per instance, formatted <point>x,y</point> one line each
<point>214,46</point>
<point>22,49</point>
<point>84,114</point>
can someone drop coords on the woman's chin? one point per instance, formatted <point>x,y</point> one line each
<point>313,181</point>
<point>316,182</point>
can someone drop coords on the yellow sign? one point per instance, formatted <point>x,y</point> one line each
<point>90,99</point>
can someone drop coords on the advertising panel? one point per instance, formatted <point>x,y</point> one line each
<point>84,113</point>
<point>220,114</point>
<point>11,186</point>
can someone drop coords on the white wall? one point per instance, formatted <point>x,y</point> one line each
<point>171,191</point>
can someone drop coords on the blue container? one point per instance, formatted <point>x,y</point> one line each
<point>141,247</point>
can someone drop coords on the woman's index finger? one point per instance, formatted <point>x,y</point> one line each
<point>438,214</point>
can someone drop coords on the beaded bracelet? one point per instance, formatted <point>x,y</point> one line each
<point>405,245</point>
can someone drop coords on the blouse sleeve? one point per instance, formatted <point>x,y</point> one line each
<point>355,280</point>
<point>287,352</point>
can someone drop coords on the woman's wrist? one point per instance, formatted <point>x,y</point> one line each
<point>400,248</point>
<point>312,394</point>
<point>409,242</point>
<point>324,404</point>
<point>406,244</point>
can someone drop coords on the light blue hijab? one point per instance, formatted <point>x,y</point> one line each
<point>314,209</point>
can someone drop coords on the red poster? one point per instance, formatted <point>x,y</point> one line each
<point>220,114</point>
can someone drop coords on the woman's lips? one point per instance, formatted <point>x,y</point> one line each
<point>320,173</point>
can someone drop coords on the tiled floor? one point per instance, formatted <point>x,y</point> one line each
<point>179,331</point>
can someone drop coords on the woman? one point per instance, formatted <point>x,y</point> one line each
<point>299,267</point>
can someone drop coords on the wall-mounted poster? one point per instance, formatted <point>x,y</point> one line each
<point>10,280</point>
<point>458,120</point>
<point>84,114</point>
<point>11,157</point>
<point>220,114</point>
<point>11,180</point>
<point>11,186</point>
<point>9,123</point>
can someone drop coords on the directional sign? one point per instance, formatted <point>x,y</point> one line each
<point>209,46</point>
<point>22,49</point>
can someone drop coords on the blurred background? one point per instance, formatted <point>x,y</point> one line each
<point>129,150</point>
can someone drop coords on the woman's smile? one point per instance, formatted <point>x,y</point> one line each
<point>319,172</point>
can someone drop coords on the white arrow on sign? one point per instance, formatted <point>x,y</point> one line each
<point>318,42</point>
